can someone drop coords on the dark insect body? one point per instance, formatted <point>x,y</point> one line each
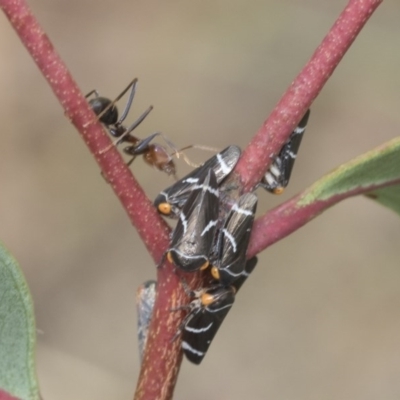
<point>277,177</point>
<point>228,263</point>
<point>207,312</point>
<point>153,154</point>
<point>171,200</point>
<point>193,236</point>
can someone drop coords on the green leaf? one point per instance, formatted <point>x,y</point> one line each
<point>17,332</point>
<point>367,173</point>
<point>389,197</point>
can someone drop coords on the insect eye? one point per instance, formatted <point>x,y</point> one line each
<point>164,208</point>
<point>215,273</point>
<point>204,266</point>
<point>207,299</point>
<point>169,257</point>
<point>279,190</point>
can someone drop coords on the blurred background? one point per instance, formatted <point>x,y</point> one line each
<point>320,316</point>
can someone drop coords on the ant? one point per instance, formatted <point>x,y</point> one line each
<point>153,154</point>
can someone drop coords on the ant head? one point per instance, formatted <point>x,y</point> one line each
<point>103,107</point>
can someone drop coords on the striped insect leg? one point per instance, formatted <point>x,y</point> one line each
<point>204,320</point>
<point>278,175</point>
<point>171,200</point>
<point>233,240</point>
<point>193,236</point>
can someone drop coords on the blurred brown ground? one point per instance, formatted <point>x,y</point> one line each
<point>320,317</point>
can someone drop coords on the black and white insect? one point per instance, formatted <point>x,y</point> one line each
<point>277,177</point>
<point>153,154</point>
<point>207,312</point>
<point>193,236</point>
<point>171,200</point>
<point>145,299</point>
<point>229,259</point>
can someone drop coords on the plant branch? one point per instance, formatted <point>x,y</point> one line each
<point>6,396</point>
<point>296,212</point>
<point>162,357</point>
<point>255,161</point>
<point>152,229</point>
<point>275,131</point>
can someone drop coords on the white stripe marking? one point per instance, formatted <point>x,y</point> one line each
<point>231,239</point>
<point>186,346</point>
<point>184,255</point>
<point>241,210</point>
<point>216,310</point>
<point>229,272</point>
<point>274,169</point>
<point>208,227</point>
<point>191,180</point>
<point>200,330</point>
<point>224,168</point>
<point>183,220</point>
<point>206,188</point>
<point>270,179</point>
<point>299,129</point>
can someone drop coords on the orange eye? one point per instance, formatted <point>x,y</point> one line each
<point>164,208</point>
<point>207,299</point>
<point>279,190</point>
<point>204,266</point>
<point>169,258</point>
<point>215,273</point>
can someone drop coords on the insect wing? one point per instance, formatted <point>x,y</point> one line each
<point>203,323</point>
<point>193,236</point>
<point>278,175</point>
<point>250,265</point>
<point>291,148</point>
<point>234,239</point>
<point>145,298</point>
<point>175,196</point>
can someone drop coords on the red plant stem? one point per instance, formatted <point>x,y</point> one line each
<point>290,216</point>
<point>255,160</point>
<point>6,396</point>
<point>162,357</point>
<point>275,131</point>
<point>152,229</point>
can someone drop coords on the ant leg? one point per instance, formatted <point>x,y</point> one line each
<point>127,132</point>
<point>94,91</point>
<point>128,164</point>
<point>127,107</point>
<point>134,125</point>
<point>129,102</point>
<point>142,146</point>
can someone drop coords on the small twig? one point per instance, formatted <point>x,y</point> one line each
<point>275,131</point>
<point>162,357</point>
<point>292,215</point>
<point>152,229</point>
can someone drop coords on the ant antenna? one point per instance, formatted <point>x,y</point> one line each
<point>180,152</point>
<point>134,125</point>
